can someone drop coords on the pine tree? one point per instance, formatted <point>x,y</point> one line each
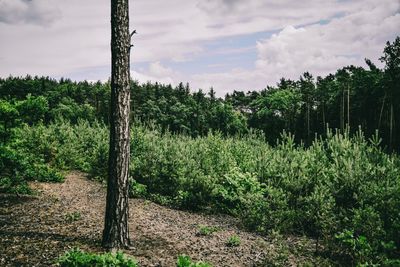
<point>116,232</point>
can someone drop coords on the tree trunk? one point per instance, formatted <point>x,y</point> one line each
<point>391,126</point>
<point>308,122</point>
<point>323,117</point>
<point>348,107</point>
<point>342,113</point>
<point>116,232</point>
<point>380,114</point>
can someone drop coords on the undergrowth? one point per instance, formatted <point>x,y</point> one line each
<point>186,261</point>
<point>79,258</point>
<point>343,191</point>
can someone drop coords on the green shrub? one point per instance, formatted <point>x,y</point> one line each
<point>267,212</point>
<point>337,183</point>
<point>185,261</point>
<point>205,230</point>
<point>43,173</point>
<point>137,190</point>
<point>78,258</point>
<point>66,146</point>
<point>233,241</point>
<point>15,185</point>
<point>234,189</point>
<point>17,166</point>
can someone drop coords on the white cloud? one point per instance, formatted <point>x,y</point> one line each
<point>324,48</point>
<point>78,36</point>
<point>155,73</point>
<point>41,12</point>
<point>159,71</point>
<point>318,48</point>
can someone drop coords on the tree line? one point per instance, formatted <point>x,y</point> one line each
<point>351,98</point>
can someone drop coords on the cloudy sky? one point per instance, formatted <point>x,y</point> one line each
<point>227,44</point>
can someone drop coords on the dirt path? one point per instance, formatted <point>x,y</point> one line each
<point>34,231</point>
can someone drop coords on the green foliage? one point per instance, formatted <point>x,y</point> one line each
<point>17,166</point>
<point>72,111</point>
<point>235,189</point>
<point>351,96</point>
<point>43,173</point>
<point>73,216</point>
<point>357,247</point>
<point>205,230</point>
<point>78,258</point>
<point>33,109</point>
<point>8,119</point>
<point>337,183</point>
<point>137,190</point>
<point>279,256</point>
<point>233,241</point>
<point>64,146</point>
<point>197,151</point>
<point>185,261</point>
<point>334,184</point>
<point>14,185</point>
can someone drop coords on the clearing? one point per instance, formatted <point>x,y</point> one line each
<point>35,230</point>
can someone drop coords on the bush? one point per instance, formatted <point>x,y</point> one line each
<point>205,230</point>
<point>185,261</point>
<point>17,166</point>
<point>235,189</point>
<point>66,146</point>
<point>78,258</point>
<point>233,241</point>
<point>137,190</point>
<point>14,185</point>
<point>337,184</point>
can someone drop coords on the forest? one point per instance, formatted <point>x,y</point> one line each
<point>353,98</point>
<point>314,157</point>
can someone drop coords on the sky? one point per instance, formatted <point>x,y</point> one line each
<point>225,44</point>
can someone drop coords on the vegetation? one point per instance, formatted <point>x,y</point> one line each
<point>265,157</point>
<point>337,190</point>
<point>351,97</point>
<point>78,258</point>
<point>19,164</point>
<point>205,230</point>
<point>186,261</point>
<point>73,216</point>
<point>233,241</point>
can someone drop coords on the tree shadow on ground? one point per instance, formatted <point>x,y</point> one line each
<point>45,237</point>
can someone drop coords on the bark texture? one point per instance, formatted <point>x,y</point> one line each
<point>116,232</point>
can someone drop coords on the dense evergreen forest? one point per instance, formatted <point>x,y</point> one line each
<point>314,157</point>
<point>353,97</point>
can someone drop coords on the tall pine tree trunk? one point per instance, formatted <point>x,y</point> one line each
<point>391,126</point>
<point>323,116</point>
<point>308,122</point>
<point>342,112</point>
<point>348,106</point>
<point>116,232</point>
<point>380,114</point>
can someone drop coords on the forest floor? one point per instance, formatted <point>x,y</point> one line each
<point>36,230</point>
